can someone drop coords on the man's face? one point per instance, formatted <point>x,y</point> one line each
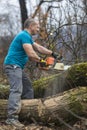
<point>35,28</point>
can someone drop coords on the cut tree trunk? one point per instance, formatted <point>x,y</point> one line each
<point>65,106</point>
<point>43,87</point>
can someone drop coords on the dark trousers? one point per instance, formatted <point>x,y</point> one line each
<point>20,87</point>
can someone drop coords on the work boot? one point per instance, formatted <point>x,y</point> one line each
<point>14,122</point>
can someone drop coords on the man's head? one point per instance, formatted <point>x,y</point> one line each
<point>32,26</point>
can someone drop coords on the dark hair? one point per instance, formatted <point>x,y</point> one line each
<point>28,22</point>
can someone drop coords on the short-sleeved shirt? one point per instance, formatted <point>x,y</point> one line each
<point>16,54</point>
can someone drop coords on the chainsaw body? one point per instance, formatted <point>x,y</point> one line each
<point>51,63</point>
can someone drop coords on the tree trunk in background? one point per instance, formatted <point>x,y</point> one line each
<point>64,107</point>
<point>23,10</point>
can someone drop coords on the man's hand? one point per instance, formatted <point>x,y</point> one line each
<point>57,56</point>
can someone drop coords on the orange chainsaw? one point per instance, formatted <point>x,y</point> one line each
<point>51,64</point>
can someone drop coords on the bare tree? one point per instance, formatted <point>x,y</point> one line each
<point>66,28</point>
<point>24,14</point>
<point>85,6</point>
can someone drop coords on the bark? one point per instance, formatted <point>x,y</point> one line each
<point>23,10</point>
<point>27,127</point>
<point>56,81</point>
<point>4,91</point>
<point>63,107</point>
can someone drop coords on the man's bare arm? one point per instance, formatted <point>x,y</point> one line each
<point>30,52</point>
<point>42,49</point>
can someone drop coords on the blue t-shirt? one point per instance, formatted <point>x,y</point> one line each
<point>16,53</point>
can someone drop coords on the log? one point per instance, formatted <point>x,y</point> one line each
<point>41,86</point>
<point>75,76</point>
<point>65,106</point>
<point>4,91</point>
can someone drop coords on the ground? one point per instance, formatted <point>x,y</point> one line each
<point>79,125</point>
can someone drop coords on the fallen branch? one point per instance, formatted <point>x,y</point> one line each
<point>53,109</point>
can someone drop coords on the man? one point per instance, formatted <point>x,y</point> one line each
<point>21,49</point>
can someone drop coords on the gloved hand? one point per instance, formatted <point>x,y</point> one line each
<point>57,56</point>
<point>43,63</point>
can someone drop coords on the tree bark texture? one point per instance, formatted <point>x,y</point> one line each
<point>66,106</point>
<point>44,87</point>
<point>23,10</point>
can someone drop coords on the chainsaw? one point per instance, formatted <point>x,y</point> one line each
<point>51,64</point>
